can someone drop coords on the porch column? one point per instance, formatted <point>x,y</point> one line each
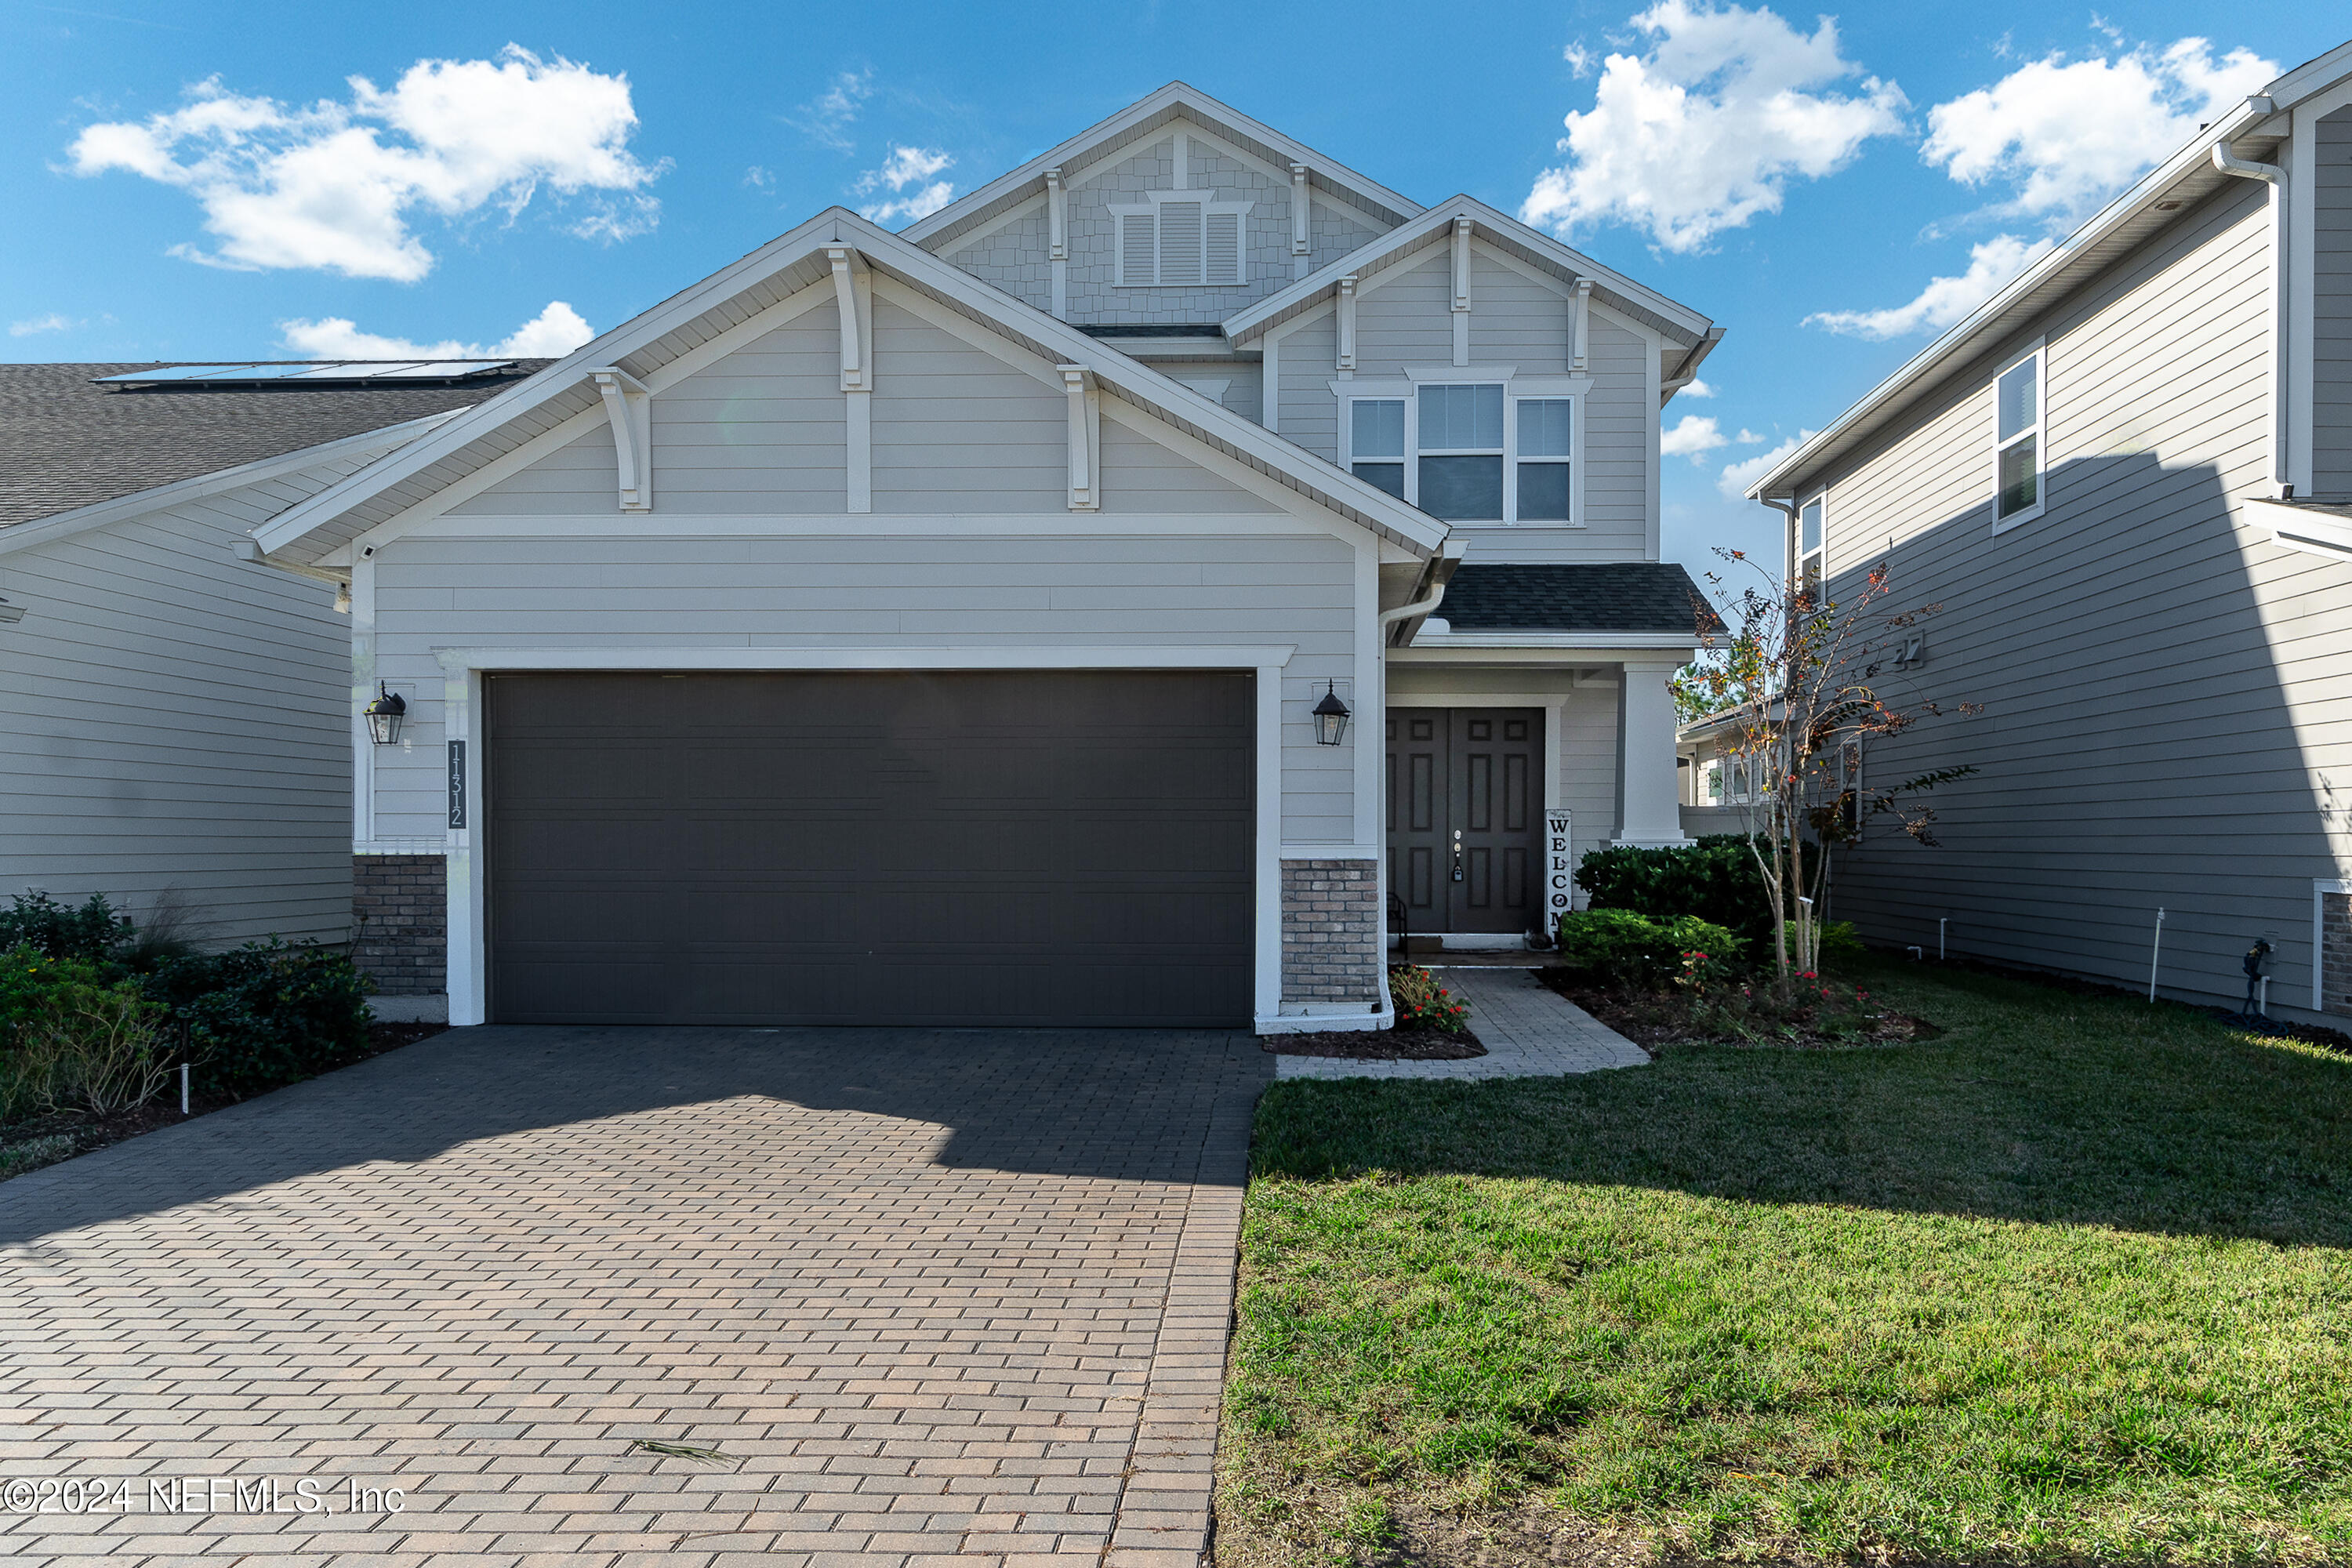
<point>1649,803</point>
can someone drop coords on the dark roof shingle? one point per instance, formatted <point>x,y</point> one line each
<point>65,444</point>
<point>1602,596</point>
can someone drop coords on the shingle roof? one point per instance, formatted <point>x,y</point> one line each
<point>1612,597</point>
<point>65,444</point>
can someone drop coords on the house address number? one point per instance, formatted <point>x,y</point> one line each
<point>1559,872</point>
<point>456,784</point>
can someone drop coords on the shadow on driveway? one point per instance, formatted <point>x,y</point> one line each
<point>1136,1105</point>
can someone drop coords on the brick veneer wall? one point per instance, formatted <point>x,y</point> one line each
<point>400,922</point>
<point>2336,953</point>
<point>1331,931</point>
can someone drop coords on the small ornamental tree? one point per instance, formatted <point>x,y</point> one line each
<point>1796,678</point>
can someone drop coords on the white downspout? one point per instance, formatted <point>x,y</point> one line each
<point>2275,176</point>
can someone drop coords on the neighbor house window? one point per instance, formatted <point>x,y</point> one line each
<point>1376,442</point>
<point>1547,436</point>
<point>1461,445</point>
<point>1810,552</point>
<point>1179,238</point>
<point>2017,440</point>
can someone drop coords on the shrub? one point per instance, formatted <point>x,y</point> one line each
<point>266,1014</point>
<point>74,1035</point>
<point>1621,948</point>
<point>1422,1004</point>
<point>90,933</point>
<point>32,1154</point>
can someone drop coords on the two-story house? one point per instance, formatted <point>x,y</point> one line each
<point>2125,486</point>
<point>1078,609</point>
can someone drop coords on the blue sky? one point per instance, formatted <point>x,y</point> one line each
<point>198,181</point>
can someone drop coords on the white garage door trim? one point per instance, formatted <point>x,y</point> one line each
<point>462,719</point>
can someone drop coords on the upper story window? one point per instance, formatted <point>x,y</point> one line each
<point>1467,451</point>
<point>2016,441</point>
<point>1180,239</point>
<point>1811,554</point>
<point>1460,448</point>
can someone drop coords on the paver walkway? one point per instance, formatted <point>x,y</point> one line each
<point>1529,1031</point>
<point>939,1296</point>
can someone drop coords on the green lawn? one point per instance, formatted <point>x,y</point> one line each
<point>2072,1282</point>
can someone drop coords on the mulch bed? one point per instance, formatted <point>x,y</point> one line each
<point>1378,1044</point>
<point>1654,1021</point>
<point>87,1132</point>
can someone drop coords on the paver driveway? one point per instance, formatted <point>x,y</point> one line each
<point>939,1295</point>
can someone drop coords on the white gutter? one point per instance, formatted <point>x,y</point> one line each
<point>2273,176</point>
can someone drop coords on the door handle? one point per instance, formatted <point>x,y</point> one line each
<point>1457,854</point>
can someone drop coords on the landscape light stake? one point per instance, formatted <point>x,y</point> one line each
<point>184,1089</point>
<point>2156,953</point>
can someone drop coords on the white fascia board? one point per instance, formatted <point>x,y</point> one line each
<point>1968,335</point>
<point>1213,115</point>
<point>2314,75</point>
<point>139,503</point>
<point>1022,325</point>
<point>1270,310</point>
<point>1435,642</point>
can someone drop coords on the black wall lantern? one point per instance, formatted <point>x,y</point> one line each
<point>1330,716</point>
<point>383,715</point>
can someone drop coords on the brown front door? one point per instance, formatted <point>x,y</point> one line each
<point>1464,812</point>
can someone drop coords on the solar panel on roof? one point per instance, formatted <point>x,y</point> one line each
<point>316,372</point>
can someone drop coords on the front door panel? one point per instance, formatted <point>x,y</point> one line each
<point>1465,803</point>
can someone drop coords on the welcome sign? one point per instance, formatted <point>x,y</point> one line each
<point>1560,884</point>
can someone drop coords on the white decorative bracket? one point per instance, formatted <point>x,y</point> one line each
<point>1581,336</point>
<point>1057,215</point>
<point>1347,312</point>
<point>628,409</point>
<point>1301,241</point>
<point>1086,438</point>
<point>1461,290</point>
<point>850,284</point>
<point>852,294</point>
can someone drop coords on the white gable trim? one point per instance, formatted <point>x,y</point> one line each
<point>141,503</point>
<point>1434,225</point>
<point>1175,98</point>
<point>1023,326</point>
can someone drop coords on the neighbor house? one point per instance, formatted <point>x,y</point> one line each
<point>2124,487</point>
<point>177,718</point>
<point>1082,609</point>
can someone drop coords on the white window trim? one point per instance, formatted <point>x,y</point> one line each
<point>2038,430</point>
<point>1820,499</point>
<point>1211,205</point>
<point>1541,387</point>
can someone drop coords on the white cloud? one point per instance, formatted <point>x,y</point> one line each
<point>52,322</point>
<point>1945,299</point>
<point>1697,389</point>
<point>553,334</point>
<point>1579,58</point>
<point>336,185</point>
<point>759,178</point>
<point>1704,131</point>
<point>907,166</point>
<point>2068,135</point>
<point>826,118</point>
<point>1697,436</point>
<point>1737,476</point>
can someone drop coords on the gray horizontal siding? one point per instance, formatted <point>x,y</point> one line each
<point>871,592</point>
<point>177,723</point>
<point>2331,338</point>
<point>2167,695</point>
<point>951,423</point>
<point>1310,415</point>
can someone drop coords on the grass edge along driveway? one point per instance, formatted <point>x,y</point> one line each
<point>2071,1281</point>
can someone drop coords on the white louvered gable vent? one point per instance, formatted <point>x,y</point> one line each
<point>1180,239</point>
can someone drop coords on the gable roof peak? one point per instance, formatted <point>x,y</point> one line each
<point>1140,123</point>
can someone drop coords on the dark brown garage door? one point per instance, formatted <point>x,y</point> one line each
<point>1018,848</point>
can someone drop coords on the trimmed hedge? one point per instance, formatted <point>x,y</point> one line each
<point>1622,948</point>
<point>1716,879</point>
<point>265,1015</point>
